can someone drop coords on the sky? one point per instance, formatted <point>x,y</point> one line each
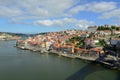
<point>36,16</point>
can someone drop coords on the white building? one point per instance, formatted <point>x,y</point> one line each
<point>84,35</point>
<point>92,29</point>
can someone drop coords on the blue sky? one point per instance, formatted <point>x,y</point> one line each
<point>35,16</point>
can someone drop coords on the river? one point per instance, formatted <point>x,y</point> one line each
<point>16,64</point>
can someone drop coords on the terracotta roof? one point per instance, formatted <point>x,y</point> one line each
<point>115,38</point>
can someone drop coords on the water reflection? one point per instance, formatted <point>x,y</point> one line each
<point>89,69</point>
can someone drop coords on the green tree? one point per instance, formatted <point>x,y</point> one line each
<point>101,42</point>
<point>80,41</point>
<point>99,28</point>
<point>79,44</point>
<point>76,38</point>
<point>113,27</point>
<point>117,28</point>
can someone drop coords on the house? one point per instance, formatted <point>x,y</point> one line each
<point>118,48</point>
<point>90,41</point>
<point>117,32</point>
<point>107,32</point>
<point>102,33</point>
<point>114,41</point>
<point>84,35</point>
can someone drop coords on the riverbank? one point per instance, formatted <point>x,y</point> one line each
<point>69,55</point>
<point>17,64</point>
<point>96,60</point>
<point>8,36</point>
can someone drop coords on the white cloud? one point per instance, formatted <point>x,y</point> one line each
<point>41,9</point>
<point>94,7</point>
<point>6,12</point>
<point>44,22</point>
<point>58,22</point>
<point>111,14</point>
<point>65,22</point>
<point>44,10</point>
<point>84,24</point>
<point>26,9</point>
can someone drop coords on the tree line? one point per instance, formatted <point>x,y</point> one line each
<point>108,28</point>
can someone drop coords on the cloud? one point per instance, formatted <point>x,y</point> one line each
<point>111,14</point>
<point>57,22</point>
<point>54,12</point>
<point>6,12</point>
<point>41,9</point>
<point>45,22</point>
<point>32,9</point>
<point>83,24</point>
<point>40,12</point>
<point>65,22</point>
<point>97,7</point>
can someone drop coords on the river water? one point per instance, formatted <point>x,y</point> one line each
<point>16,64</point>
